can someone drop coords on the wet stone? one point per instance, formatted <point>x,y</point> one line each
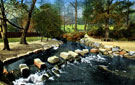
<point>94,50</point>
<point>53,59</point>
<point>39,63</point>
<point>123,52</point>
<point>5,71</point>
<point>65,55</point>
<point>24,69</point>
<point>73,54</point>
<point>86,51</point>
<point>96,44</point>
<point>131,53</point>
<point>80,52</point>
<point>115,49</point>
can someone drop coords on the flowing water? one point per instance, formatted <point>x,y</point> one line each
<point>84,72</point>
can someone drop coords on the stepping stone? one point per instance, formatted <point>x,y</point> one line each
<point>94,50</point>
<point>53,59</point>
<point>5,71</point>
<point>131,53</point>
<point>96,44</point>
<point>80,52</point>
<point>39,63</point>
<point>108,47</point>
<point>102,50</point>
<point>85,51</point>
<point>65,55</point>
<point>115,49</point>
<point>123,52</point>
<point>24,69</point>
<point>73,54</point>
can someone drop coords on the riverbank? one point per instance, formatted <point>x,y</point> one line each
<point>109,48</point>
<point>127,45</point>
<point>17,49</point>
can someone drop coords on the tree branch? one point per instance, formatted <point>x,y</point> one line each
<point>12,24</point>
<point>72,4</point>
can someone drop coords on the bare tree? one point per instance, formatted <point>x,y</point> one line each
<point>24,33</point>
<point>4,27</point>
<point>75,5</point>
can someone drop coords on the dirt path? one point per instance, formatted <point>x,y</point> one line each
<point>127,45</point>
<point>17,48</point>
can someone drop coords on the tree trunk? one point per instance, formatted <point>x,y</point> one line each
<point>127,21</point>
<point>106,31</point>
<point>4,27</point>
<point>24,33</point>
<point>23,37</point>
<point>42,38</point>
<point>64,20</point>
<point>76,15</point>
<point>47,39</point>
<point>107,20</point>
<point>85,26</point>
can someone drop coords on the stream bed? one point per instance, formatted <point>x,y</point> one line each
<point>85,72</point>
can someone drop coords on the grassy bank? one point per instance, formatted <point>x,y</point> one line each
<point>29,39</point>
<point>69,28</point>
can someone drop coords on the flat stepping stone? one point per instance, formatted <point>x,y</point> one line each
<point>73,54</point>
<point>53,59</point>
<point>94,50</point>
<point>65,55</point>
<point>80,52</point>
<point>39,63</point>
<point>85,51</point>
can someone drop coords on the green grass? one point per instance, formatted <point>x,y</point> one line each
<point>29,39</point>
<point>69,28</point>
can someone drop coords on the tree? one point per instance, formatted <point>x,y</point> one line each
<point>25,29</point>
<point>87,12</point>
<point>24,33</point>
<point>47,21</point>
<point>60,6</point>
<point>75,5</point>
<point>4,27</point>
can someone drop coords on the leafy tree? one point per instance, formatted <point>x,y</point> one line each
<point>47,21</point>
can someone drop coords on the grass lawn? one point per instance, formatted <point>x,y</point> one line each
<point>29,39</point>
<point>69,28</point>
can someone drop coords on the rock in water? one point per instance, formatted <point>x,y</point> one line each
<point>53,59</point>
<point>65,55</point>
<point>39,63</point>
<point>24,69</point>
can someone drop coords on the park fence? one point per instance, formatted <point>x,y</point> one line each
<point>18,34</point>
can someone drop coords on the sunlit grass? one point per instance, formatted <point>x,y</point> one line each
<point>29,39</point>
<point>69,28</point>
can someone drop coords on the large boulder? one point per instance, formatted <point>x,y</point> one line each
<point>53,59</point>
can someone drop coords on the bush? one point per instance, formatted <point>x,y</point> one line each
<point>48,21</point>
<point>75,36</point>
